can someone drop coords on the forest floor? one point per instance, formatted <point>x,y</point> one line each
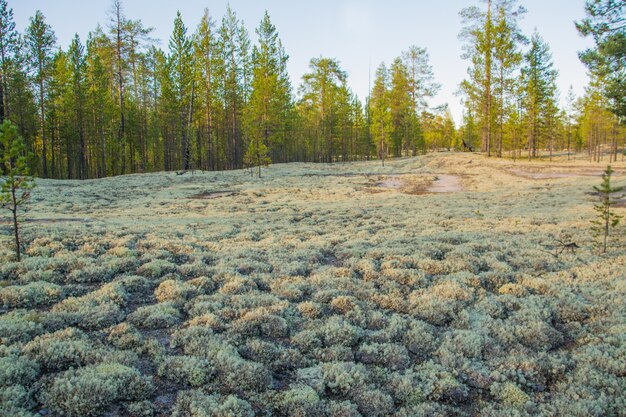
<point>440,284</point>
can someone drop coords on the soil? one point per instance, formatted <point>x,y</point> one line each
<point>445,184</point>
<point>209,195</point>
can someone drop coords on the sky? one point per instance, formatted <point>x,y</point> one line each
<point>360,34</point>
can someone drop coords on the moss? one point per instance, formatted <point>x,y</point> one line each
<point>30,295</point>
<point>16,400</point>
<point>125,336</point>
<point>509,394</point>
<point>299,401</point>
<point>188,370</point>
<point>173,291</point>
<point>18,370</point>
<point>155,316</point>
<point>388,355</point>
<point>62,349</point>
<point>91,390</point>
<point>198,404</point>
<point>19,326</point>
<point>156,268</point>
<point>344,378</point>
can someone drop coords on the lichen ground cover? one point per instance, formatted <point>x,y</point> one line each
<point>317,290</point>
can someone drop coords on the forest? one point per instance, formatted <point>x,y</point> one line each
<point>116,104</point>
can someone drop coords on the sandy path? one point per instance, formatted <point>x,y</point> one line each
<point>445,184</point>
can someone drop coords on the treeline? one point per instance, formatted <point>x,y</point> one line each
<point>214,100</point>
<point>511,97</point>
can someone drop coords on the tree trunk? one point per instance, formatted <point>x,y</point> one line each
<point>15,223</point>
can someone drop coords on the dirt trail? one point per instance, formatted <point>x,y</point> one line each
<point>445,183</point>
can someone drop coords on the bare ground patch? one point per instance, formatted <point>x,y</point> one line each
<point>419,184</point>
<point>209,195</point>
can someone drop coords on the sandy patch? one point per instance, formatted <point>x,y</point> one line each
<point>445,184</point>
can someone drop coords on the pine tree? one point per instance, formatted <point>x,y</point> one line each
<point>606,218</point>
<point>78,72</point>
<point>233,84</point>
<point>507,60</point>
<point>264,114</point>
<point>181,65</point>
<point>16,182</point>
<point>381,112</point>
<point>539,80</point>
<point>9,42</point>
<point>319,88</point>
<point>210,64</point>
<point>421,86</point>
<point>606,23</point>
<point>401,107</point>
<point>40,40</point>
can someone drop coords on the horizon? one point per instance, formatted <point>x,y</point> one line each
<point>336,34</point>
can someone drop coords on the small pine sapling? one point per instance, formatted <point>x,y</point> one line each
<point>15,178</point>
<point>606,219</point>
<point>257,156</point>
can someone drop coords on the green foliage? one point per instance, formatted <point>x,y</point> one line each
<point>15,182</point>
<point>604,22</point>
<point>606,217</point>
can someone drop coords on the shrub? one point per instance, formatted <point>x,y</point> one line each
<point>344,378</point>
<point>62,349</point>
<point>188,370</point>
<point>91,390</point>
<point>299,401</point>
<point>260,323</point>
<point>174,291</point>
<point>342,409</point>
<point>238,375</point>
<point>198,404</point>
<point>30,295</point>
<point>509,394</point>
<point>337,331</point>
<point>141,409</point>
<point>307,340</point>
<point>155,316</point>
<point>419,338</point>
<point>389,355</point>
<point>156,268</point>
<point>17,370</point>
<point>85,313</point>
<point>374,403</point>
<point>437,384</point>
<point>19,326</point>
<point>15,400</point>
<point>310,310</point>
<point>125,336</point>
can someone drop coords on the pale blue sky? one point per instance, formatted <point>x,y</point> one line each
<point>355,32</point>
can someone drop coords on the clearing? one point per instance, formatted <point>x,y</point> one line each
<point>434,285</point>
